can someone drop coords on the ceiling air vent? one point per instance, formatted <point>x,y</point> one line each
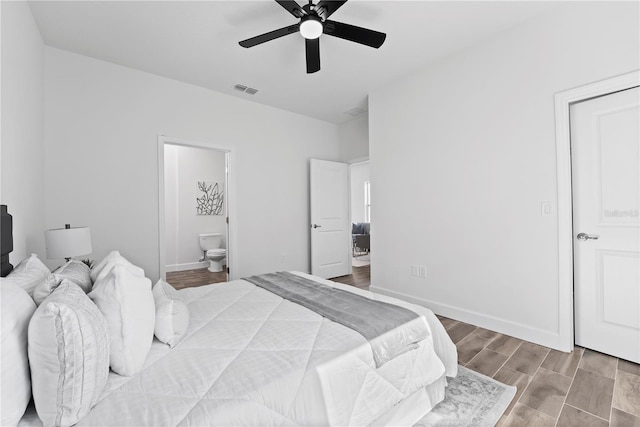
<point>357,111</point>
<point>245,89</point>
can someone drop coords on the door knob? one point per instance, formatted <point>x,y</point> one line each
<point>585,236</point>
<point>316,226</point>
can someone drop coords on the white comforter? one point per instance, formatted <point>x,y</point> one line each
<point>252,358</point>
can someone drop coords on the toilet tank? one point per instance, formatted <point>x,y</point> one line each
<point>210,241</point>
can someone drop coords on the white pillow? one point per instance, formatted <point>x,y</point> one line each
<point>172,314</point>
<point>126,301</point>
<point>69,355</point>
<point>28,274</point>
<point>74,270</point>
<point>17,309</point>
<point>114,258</point>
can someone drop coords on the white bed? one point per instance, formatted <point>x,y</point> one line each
<point>251,358</point>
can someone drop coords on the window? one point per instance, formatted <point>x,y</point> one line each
<point>367,201</point>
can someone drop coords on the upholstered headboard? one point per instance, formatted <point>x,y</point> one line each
<point>6,237</point>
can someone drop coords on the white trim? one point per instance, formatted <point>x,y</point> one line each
<point>535,335</point>
<point>188,266</point>
<point>350,216</point>
<point>358,160</point>
<point>229,199</point>
<point>563,101</point>
<point>367,200</point>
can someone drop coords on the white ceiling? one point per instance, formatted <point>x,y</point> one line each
<point>197,42</point>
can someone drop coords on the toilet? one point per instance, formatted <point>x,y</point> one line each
<point>210,245</point>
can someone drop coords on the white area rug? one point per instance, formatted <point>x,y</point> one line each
<point>361,260</point>
<point>471,400</point>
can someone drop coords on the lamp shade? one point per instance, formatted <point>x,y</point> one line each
<point>67,242</point>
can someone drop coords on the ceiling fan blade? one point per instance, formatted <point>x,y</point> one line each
<point>292,7</point>
<point>355,34</point>
<point>325,8</point>
<point>312,47</point>
<point>271,35</point>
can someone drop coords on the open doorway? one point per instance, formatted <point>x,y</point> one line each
<point>360,187</point>
<point>194,213</point>
<point>360,215</point>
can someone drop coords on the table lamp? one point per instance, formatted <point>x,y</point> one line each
<point>67,242</point>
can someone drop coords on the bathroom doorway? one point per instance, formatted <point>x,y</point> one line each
<point>195,237</point>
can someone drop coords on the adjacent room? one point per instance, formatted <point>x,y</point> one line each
<point>195,216</point>
<point>248,213</point>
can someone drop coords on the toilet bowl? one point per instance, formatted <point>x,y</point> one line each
<point>210,245</point>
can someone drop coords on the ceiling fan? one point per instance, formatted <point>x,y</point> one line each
<point>314,22</point>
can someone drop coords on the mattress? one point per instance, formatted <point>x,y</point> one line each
<point>253,358</point>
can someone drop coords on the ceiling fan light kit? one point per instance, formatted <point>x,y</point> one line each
<point>313,23</point>
<point>311,27</point>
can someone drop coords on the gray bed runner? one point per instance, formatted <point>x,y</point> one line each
<point>371,318</point>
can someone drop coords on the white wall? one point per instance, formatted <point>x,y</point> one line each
<point>354,139</point>
<point>184,167</point>
<point>102,122</point>
<point>359,174</point>
<point>22,148</point>
<point>463,153</point>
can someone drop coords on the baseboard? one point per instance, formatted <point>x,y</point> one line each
<point>186,266</point>
<point>507,327</point>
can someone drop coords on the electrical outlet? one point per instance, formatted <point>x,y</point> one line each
<point>423,272</point>
<point>283,257</point>
<point>414,270</point>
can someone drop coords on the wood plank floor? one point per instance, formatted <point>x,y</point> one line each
<point>554,389</point>
<point>192,278</point>
<point>581,388</point>
<point>360,277</point>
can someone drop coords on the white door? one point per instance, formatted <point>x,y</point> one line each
<point>606,197</point>
<point>330,224</point>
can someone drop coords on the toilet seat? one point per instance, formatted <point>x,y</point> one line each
<point>214,252</point>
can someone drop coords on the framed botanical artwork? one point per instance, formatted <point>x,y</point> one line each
<point>211,198</point>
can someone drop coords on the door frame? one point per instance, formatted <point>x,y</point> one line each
<point>230,191</point>
<point>355,162</point>
<point>563,101</point>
